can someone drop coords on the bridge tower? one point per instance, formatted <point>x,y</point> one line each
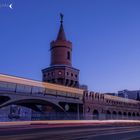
<point>61,70</point>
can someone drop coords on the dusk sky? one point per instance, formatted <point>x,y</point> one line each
<point>105,36</point>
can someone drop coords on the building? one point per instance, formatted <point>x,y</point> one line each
<point>59,95</point>
<point>130,94</point>
<point>61,70</point>
<point>104,106</point>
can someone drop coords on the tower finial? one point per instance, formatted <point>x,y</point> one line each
<point>61,18</point>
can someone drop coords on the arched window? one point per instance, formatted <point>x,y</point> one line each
<point>120,113</point>
<point>114,115</point>
<point>125,114</point>
<point>108,115</point>
<point>138,114</point>
<point>129,114</point>
<point>68,55</point>
<point>133,114</point>
<point>95,114</point>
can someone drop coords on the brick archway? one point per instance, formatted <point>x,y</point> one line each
<point>95,114</point>
<point>108,114</point>
<point>114,115</point>
<point>119,115</point>
<point>129,115</point>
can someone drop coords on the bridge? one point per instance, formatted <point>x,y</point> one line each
<point>104,106</point>
<point>61,102</point>
<point>30,94</point>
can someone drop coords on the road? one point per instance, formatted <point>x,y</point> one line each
<point>100,131</point>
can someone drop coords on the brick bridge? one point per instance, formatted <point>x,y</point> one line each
<point>84,104</point>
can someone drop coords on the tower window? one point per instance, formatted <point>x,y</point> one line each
<point>59,72</point>
<point>68,55</point>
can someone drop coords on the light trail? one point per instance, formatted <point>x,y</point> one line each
<point>69,122</point>
<point>70,133</point>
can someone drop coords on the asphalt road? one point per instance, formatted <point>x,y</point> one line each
<point>88,132</point>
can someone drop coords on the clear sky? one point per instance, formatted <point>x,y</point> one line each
<point>105,36</point>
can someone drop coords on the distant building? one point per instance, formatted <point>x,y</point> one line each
<point>85,87</point>
<point>113,94</point>
<point>130,94</point>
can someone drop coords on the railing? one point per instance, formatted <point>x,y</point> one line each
<point>37,116</point>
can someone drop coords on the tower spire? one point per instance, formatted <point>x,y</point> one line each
<point>61,34</point>
<point>61,17</point>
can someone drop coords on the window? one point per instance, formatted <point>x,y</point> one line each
<point>88,109</point>
<point>68,55</point>
<point>59,72</point>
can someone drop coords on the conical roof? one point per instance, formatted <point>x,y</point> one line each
<point>61,34</point>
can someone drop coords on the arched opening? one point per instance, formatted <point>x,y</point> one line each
<point>129,115</point>
<point>95,114</point>
<point>67,82</point>
<point>114,115</point>
<point>133,115</point>
<point>4,99</point>
<point>41,109</point>
<point>71,83</point>
<point>119,115</point>
<point>108,115</point>
<point>76,84</point>
<point>138,114</point>
<point>60,80</point>
<point>124,115</point>
<point>68,55</point>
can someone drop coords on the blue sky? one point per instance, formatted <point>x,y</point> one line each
<point>105,36</point>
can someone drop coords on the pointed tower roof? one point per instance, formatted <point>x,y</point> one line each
<point>61,34</point>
